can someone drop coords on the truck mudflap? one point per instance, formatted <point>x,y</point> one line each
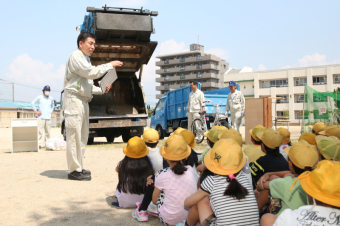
<point>119,121</point>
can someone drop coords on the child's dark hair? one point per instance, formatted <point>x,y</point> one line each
<point>271,151</point>
<point>151,145</point>
<point>298,170</point>
<point>192,159</point>
<point>255,141</point>
<point>322,157</point>
<point>210,143</point>
<point>179,168</point>
<point>235,189</point>
<point>289,144</point>
<point>132,175</point>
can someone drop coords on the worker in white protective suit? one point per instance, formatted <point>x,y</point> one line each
<point>195,104</point>
<point>235,104</point>
<point>78,90</point>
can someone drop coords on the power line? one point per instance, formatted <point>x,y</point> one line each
<point>8,82</point>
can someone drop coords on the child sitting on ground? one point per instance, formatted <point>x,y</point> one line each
<point>329,148</point>
<point>322,187</point>
<point>254,151</point>
<point>285,141</point>
<point>151,138</point>
<point>212,138</point>
<point>171,186</point>
<point>302,157</point>
<point>225,196</point>
<point>318,127</point>
<point>309,137</point>
<point>132,173</point>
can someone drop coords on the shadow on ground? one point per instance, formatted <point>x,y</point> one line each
<point>55,174</point>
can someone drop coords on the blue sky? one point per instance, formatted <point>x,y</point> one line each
<point>38,36</point>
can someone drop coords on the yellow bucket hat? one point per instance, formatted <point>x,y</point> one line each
<point>175,148</point>
<point>331,131</point>
<point>150,136</point>
<point>189,137</point>
<point>255,130</point>
<point>323,182</point>
<point>223,128</point>
<point>302,154</point>
<point>213,133</point>
<point>329,147</point>
<point>226,157</point>
<point>285,135</point>
<point>136,148</point>
<point>318,127</point>
<point>233,134</point>
<point>177,131</point>
<point>309,137</point>
<point>270,138</point>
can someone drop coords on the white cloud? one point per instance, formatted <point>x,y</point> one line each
<point>311,60</point>
<point>126,3</point>
<point>221,53</point>
<point>27,71</point>
<point>261,67</point>
<point>149,71</point>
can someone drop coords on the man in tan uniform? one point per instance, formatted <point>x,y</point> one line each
<point>195,104</point>
<point>78,88</point>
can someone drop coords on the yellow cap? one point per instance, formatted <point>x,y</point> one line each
<point>212,134</point>
<point>136,148</point>
<point>329,147</point>
<point>302,154</point>
<point>285,135</point>
<point>318,127</point>
<point>233,134</point>
<point>223,128</point>
<point>309,137</point>
<point>175,148</point>
<point>254,152</point>
<point>255,130</point>
<point>189,137</point>
<point>225,157</point>
<point>177,131</point>
<point>323,182</point>
<point>331,131</point>
<point>270,138</point>
<point>150,136</point>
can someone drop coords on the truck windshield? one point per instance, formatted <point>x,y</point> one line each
<point>160,105</point>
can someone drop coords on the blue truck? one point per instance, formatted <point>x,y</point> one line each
<point>170,111</point>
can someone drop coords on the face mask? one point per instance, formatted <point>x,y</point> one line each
<point>47,93</point>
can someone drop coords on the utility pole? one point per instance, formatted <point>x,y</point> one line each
<point>13,91</point>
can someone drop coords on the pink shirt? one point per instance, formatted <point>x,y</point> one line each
<point>176,189</point>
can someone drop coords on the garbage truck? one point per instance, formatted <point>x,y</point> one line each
<point>121,34</point>
<point>170,111</point>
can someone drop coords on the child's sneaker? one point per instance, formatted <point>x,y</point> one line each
<point>152,209</point>
<point>140,215</point>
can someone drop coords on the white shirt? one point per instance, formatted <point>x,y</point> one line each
<point>235,102</point>
<point>196,101</point>
<point>309,215</point>
<point>156,157</point>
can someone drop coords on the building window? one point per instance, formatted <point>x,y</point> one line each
<point>225,67</point>
<point>199,75</point>
<point>181,59</point>
<point>182,68</point>
<point>166,70</point>
<point>198,66</point>
<point>298,115</point>
<point>182,76</point>
<point>319,80</point>
<point>166,86</point>
<point>198,57</point>
<point>167,78</point>
<point>244,86</point>
<point>336,79</point>
<point>282,101</point>
<point>280,113</point>
<point>300,98</point>
<point>216,83</point>
<point>253,85</point>
<point>275,83</point>
<point>166,61</point>
<point>216,74</point>
<point>301,82</point>
<point>216,66</point>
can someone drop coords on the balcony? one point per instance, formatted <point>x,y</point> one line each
<point>189,60</point>
<point>161,79</point>
<point>159,96</point>
<point>209,84</point>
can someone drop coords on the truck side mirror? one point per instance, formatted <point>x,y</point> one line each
<point>148,107</point>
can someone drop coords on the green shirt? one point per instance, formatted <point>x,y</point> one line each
<point>280,189</point>
<point>203,154</point>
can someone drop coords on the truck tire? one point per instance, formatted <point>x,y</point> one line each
<point>90,140</point>
<point>110,139</point>
<point>224,123</point>
<point>160,132</point>
<point>126,137</point>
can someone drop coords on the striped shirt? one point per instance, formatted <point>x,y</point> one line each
<point>228,210</point>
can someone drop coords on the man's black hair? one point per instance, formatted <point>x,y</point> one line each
<point>83,36</point>
<point>194,82</point>
<point>270,151</point>
<point>298,170</point>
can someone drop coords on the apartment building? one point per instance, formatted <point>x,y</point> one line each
<point>286,83</point>
<point>178,69</point>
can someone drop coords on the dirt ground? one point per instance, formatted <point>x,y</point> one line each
<point>35,189</point>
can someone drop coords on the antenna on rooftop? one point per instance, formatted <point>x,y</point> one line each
<point>198,39</point>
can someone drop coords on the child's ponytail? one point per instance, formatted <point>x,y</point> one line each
<point>179,168</point>
<point>235,189</point>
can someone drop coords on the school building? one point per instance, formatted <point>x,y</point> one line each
<point>286,83</point>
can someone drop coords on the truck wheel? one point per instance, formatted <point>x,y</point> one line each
<point>224,123</point>
<point>160,132</point>
<point>110,139</point>
<point>64,133</point>
<point>90,140</point>
<point>126,137</point>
